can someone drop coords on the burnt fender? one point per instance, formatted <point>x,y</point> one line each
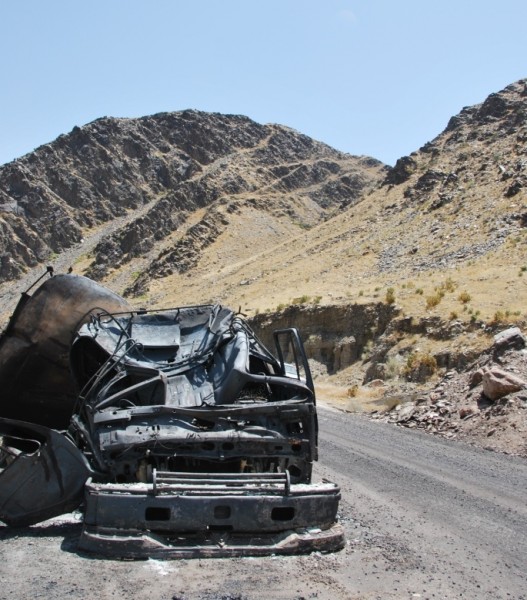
<point>42,473</point>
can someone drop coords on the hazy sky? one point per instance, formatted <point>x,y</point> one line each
<point>373,77</point>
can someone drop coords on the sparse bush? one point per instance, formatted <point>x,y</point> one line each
<point>393,367</point>
<point>464,297</point>
<point>317,299</point>
<point>433,301</point>
<point>301,299</point>
<point>420,366</point>
<point>419,291</point>
<point>453,315</point>
<point>449,285</point>
<point>500,318</point>
<point>390,296</point>
<point>352,391</point>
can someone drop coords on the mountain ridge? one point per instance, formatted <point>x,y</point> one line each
<point>51,198</point>
<point>400,275</point>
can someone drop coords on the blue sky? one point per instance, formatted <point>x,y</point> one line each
<point>372,77</point>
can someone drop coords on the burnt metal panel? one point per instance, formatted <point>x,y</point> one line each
<point>183,515</point>
<point>42,473</point>
<point>35,379</point>
<point>114,543</point>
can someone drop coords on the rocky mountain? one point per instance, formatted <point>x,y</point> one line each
<point>400,278</point>
<point>179,172</point>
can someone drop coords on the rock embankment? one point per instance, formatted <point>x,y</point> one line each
<point>484,404</point>
<point>334,337</point>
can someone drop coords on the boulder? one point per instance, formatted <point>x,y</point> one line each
<point>509,339</point>
<point>476,378</point>
<point>498,383</point>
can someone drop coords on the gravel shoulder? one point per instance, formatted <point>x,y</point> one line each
<point>424,518</point>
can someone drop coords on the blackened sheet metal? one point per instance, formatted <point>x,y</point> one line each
<point>211,515</point>
<point>196,439</point>
<point>35,380</point>
<point>42,473</point>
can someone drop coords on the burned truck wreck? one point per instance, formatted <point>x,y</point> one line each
<point>176,432</point>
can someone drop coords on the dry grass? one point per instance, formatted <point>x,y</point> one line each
<point>337,262</point>
<point>350,398</point>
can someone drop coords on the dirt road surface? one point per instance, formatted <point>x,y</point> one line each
<point>424,517</point>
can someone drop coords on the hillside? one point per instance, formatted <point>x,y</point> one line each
<point>172,179</point>
<point>399,277</point>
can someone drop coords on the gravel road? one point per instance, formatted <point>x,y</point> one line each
<point>424,518</point>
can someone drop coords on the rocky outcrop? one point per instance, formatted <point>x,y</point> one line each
<point>172,163</point>
<point>484,403</point>
<point>401,172</point>
<point>460,180</point>
<point>334,337</point>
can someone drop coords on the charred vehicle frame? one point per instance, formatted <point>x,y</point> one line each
<point>178,431</point>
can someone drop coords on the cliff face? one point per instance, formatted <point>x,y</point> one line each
<point>149,176</point>
<point>335,337</point>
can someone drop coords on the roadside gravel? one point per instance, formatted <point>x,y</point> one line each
<point>424,518</point>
